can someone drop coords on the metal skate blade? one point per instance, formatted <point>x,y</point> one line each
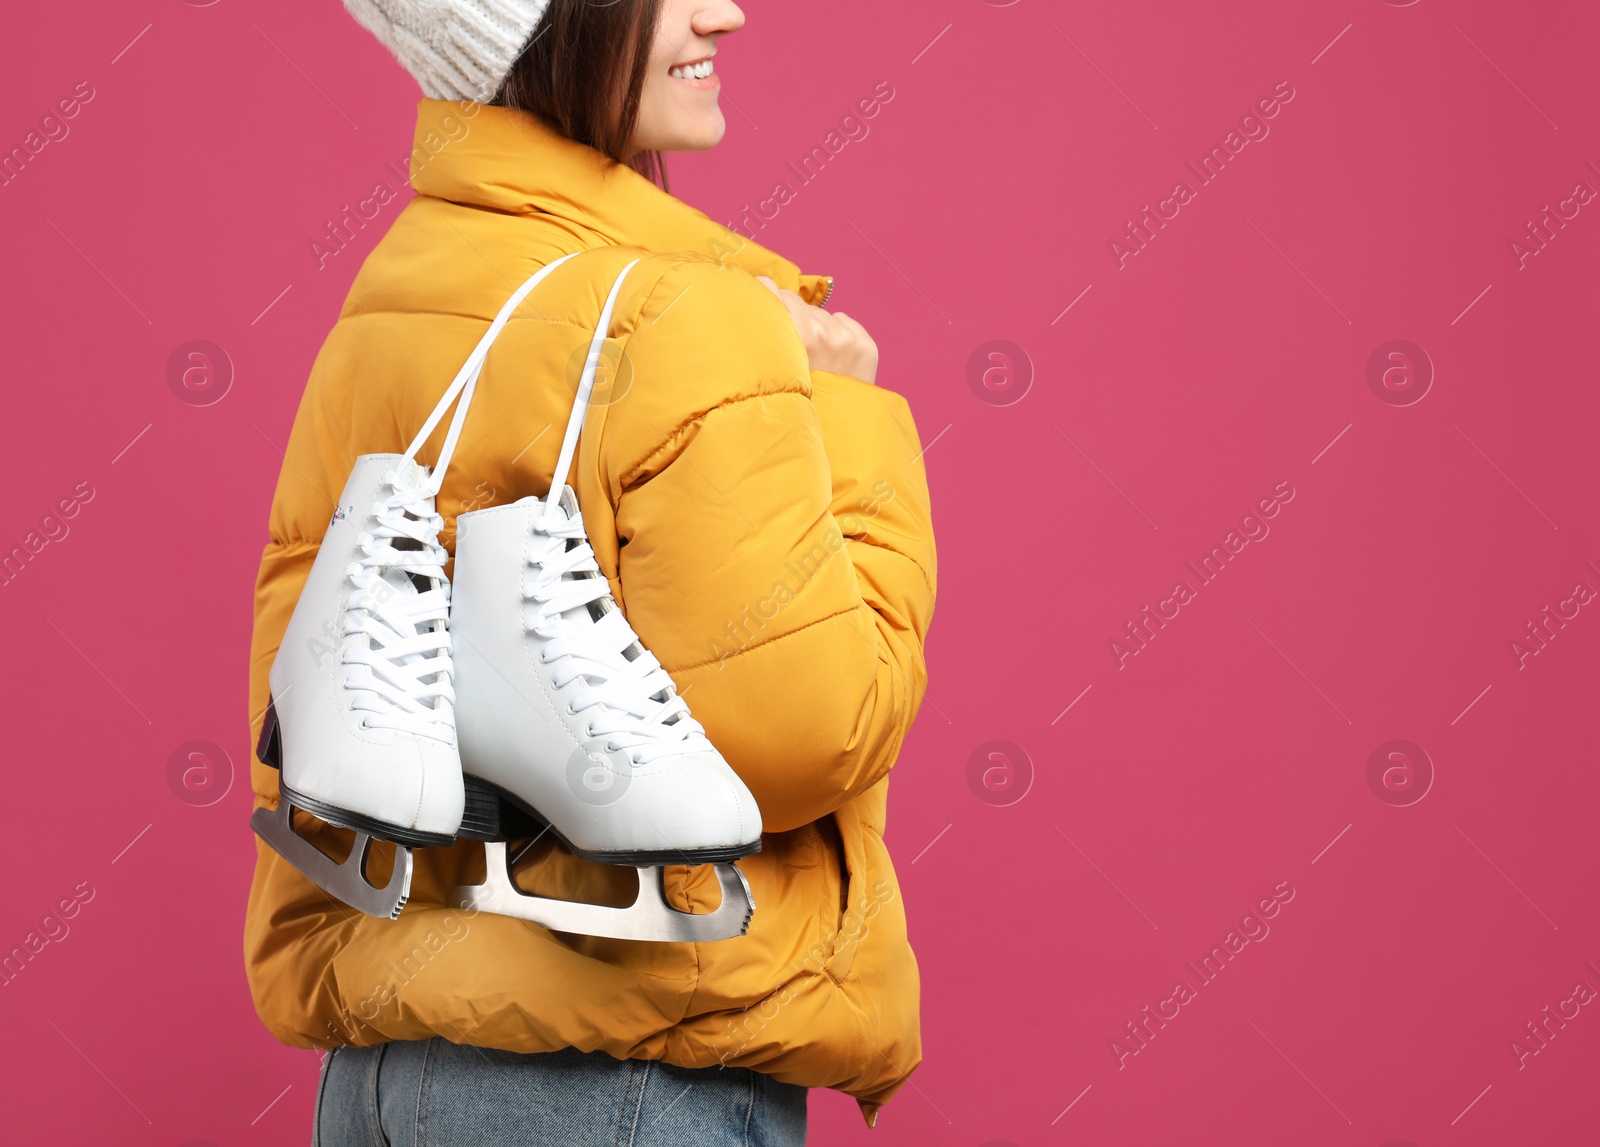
<point>649,917</point>
<point>347,881</point>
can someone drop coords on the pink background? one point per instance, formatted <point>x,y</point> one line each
<point>1159,801</point>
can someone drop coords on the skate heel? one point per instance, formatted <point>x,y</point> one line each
<point>269,749</point>
<point>481,817</point>
<point>493,814</point>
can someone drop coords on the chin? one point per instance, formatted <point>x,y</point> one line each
<point>699,133</point>
<point>712,135</point>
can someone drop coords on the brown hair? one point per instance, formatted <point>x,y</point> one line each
<point>583,73</point>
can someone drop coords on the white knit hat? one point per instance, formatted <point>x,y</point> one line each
<point>456,49</point>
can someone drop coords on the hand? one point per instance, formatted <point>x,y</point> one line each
<point>833,340</point>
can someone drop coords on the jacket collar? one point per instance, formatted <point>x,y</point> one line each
<point>512,162</point>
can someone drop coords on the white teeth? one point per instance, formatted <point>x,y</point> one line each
<point>692,71</point>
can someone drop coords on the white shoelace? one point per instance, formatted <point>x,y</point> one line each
<point>395,633</point>
<point>632,699</point>
<point>636,705</point>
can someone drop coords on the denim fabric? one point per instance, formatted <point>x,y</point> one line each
<point>434,1093</point>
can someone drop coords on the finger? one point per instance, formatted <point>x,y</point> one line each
<point>799,312</point>
<point>790,299</point>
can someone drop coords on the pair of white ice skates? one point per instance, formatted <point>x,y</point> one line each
<point>516,701</point>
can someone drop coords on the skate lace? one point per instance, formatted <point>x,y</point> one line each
<point>396,625</point>
<point>634,703</point>
<point>631,699</point>
<point>395,634</point>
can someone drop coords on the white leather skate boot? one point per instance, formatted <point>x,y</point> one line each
<point>361,722</point>
<point>564,714</point>
<point>565,718</point>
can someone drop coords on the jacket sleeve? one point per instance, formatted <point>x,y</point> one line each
<point>776,544</point>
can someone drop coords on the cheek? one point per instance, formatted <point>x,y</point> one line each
<point>655,110</point>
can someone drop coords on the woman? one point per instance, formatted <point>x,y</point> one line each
<point>761,512</point>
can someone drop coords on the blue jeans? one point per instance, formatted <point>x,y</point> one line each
<point>434,1093</point>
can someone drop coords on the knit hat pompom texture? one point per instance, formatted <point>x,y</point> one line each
<point>456,49</point>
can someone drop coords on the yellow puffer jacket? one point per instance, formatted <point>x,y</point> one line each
<point>766,529</point>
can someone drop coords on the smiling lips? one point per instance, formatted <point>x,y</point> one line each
<point>699,73</point>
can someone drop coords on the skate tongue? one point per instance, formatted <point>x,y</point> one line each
<point>404,581</point>
<point>397,611</point>
<point>409,473</point>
